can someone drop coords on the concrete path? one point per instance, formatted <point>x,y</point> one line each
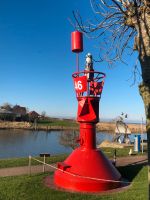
<point>131,160</point>
<point>16,171</point>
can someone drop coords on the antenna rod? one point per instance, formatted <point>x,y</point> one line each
<point>77,61</point>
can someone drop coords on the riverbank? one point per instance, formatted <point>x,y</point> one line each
<point>66,125</point>
<point>110,127</point>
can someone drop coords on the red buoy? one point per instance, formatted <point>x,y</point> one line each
<point>87,169</point>
<point>76,41</point>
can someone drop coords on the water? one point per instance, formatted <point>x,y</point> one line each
<point>22,143</point>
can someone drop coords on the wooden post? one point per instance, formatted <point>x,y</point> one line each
<point>35,124</point>
<point>142,146</point>
<point>29,165</point>
<point>44,155</point>
<point>44,164</point>
<point>142,134</point>
<point>115,155</point>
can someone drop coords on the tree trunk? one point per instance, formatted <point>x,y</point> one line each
<point>144,89</point>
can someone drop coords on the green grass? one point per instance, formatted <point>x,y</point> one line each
<point>60,123</point>
<point>109,152</point>
<point>32,188</point>
<point>16,162</point>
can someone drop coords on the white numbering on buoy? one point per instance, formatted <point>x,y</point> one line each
<point>78,85</point>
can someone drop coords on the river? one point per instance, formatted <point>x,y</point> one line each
<point>22,143</point>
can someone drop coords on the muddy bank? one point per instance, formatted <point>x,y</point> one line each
<point>101,126</point>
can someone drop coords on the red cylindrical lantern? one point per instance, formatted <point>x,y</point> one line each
<point>76,41</point>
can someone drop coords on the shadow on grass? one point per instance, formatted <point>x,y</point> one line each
<point>129,172</point>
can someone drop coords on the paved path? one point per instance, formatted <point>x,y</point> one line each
<point>131,160</point>
<point>16,171</point>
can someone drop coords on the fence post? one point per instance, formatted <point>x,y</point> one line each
<point>115,156</point>
<point>44,155</point>
<point>29,165</point>
<point>142,135</point>
<point>44,164</point>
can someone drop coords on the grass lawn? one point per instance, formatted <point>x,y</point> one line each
<point>16,162</point>
<point>109,152</point>
<point>57,122</point>
<point>32,188</point>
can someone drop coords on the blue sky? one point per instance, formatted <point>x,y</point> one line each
<point>36,61</point>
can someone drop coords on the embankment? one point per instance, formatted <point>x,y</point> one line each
<point>101,126</point>
<point>110,127</point>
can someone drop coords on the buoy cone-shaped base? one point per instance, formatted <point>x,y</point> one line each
<point>87,170</point>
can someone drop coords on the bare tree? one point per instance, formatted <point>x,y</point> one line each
<point>7,106</point>
<point>123,21</point>
<point>68,139</point>
<point>43,114</point>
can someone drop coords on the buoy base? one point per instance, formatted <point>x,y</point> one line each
<point>87,170</point>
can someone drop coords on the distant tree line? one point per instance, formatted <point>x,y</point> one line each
<point>9,112</point>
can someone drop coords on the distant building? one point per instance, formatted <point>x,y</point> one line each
<point>33,115</point>
<point>6,115</point>
<point>4,111</point>
<point>6,107</point>
<point>19,111</point>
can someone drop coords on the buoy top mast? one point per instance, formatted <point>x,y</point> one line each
<point>87,81</point>
<point>77,45</point>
